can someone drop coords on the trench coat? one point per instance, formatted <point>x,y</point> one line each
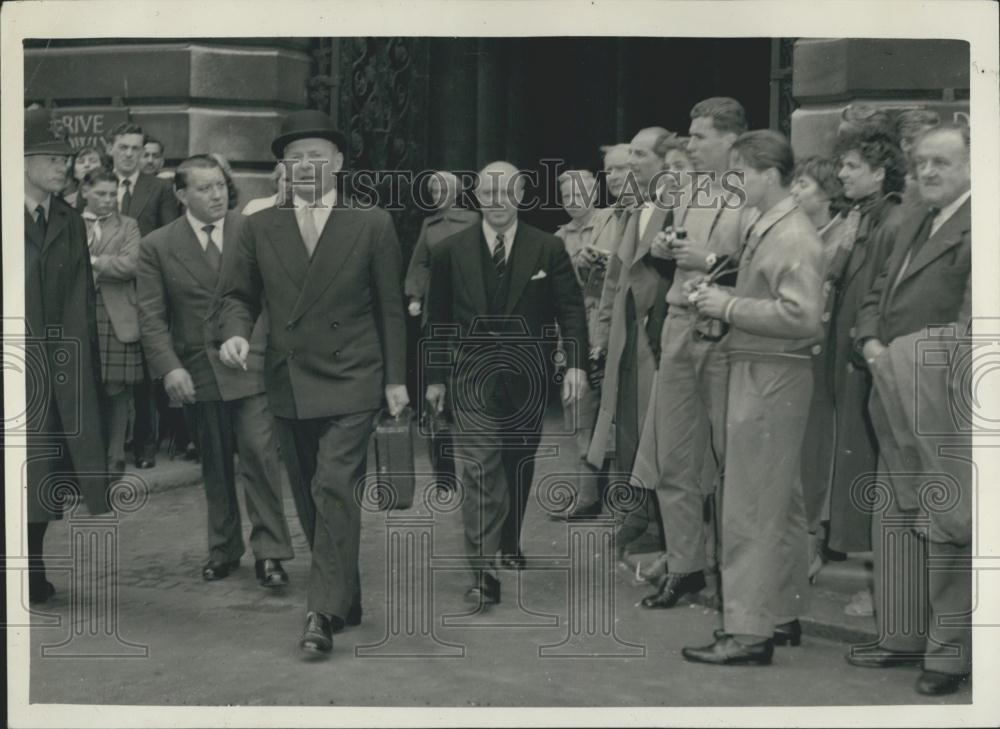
<point>854,448</point>
<point>626,273</point>
<point>63,391</point>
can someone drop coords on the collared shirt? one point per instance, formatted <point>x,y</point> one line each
<point>93,222</point>
<point>197,225</point>
<point>947,211</point>
<point>490,234</point>
<point>30,205</point>
<point>320,210</point>
<point>132,179</point>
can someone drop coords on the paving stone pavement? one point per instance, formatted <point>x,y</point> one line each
<point>175,639</point>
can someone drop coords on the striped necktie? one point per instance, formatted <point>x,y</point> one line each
<point>499,255</point>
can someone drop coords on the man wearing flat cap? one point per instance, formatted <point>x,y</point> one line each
<point>329,276</point>
<point>66,442</point>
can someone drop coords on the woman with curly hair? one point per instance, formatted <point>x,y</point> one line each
<point>872,171</point>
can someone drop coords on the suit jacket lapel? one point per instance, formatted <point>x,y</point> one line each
<point>188,252</point>
<point>470,262</point>
<point>336,243</point>
<point>525,265</point>
<point>31,231</point>
<point>57,224</point>
<point>288,246</point>
<point>140,196</point>
<point>652,228</point>
<point>948,236</point>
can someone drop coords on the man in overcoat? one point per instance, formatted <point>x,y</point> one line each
<point>66,438</point>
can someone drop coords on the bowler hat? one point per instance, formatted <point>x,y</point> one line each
<point>304,125</point>
<point>43,135</point>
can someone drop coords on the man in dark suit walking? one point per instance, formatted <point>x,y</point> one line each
<point>64,424</point>
<point>497,291</point>
<point>178,275</point>
<point>924,284</point>
<point>330,274</point>
<point>151,203</point>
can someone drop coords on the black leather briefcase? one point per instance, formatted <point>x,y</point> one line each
<point>395,479</point>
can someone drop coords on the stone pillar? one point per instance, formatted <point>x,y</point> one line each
<point>224,95</point>
<point>892,74</point>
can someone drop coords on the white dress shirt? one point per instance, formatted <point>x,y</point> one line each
<point>490,234</point>
<point>30,205</point>
<point>320,210</point>
<point>197,225</point>
<point>946,212</point>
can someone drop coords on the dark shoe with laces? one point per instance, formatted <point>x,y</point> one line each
<point>318,634</point>
<point>216,570</point>
<point>727,651</point>
<point>673,588</point>
<point>270,573</point>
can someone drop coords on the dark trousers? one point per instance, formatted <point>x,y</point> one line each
<point>144,427</point>
<point>327,460</point>
<point>496,469</point>
<point>243,426</point>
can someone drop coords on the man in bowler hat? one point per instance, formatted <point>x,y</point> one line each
<point>65,430</point>
<point>329,277</point>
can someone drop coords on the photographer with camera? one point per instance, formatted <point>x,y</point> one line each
<point>925,282</point>
<point>495,293</point>
<point>774,315</point>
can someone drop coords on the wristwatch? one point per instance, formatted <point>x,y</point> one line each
<point>710,261</point>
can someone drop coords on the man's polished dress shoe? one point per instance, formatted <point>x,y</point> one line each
<point>318,634</point>
<point>785,634</point>
<point>487,592</point>
<point>933,683</point>
<point>884,658</point>
<point>270,573</point>
<point>727,651</point>
<point>513,561</point>
<point>674,587</point>
<point>145,463</point>
<point>216,570</point>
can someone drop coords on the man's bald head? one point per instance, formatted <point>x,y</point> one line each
<point>500,188</point>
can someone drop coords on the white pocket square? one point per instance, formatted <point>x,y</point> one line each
<point>539,275</point>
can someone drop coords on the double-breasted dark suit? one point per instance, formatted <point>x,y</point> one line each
<point>925,447</point>
<point>178,304</point>
<point>337,337</point>
<point>64,421</point>
<point>497,332</point>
